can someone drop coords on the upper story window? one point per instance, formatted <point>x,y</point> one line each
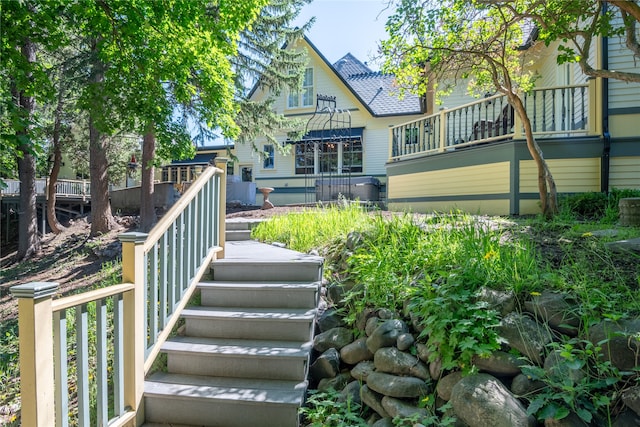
<point>268,161</point>
<point>304,97</point>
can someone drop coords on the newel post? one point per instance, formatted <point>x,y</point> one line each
<point>35,324</point>
<point>221,163</point>
<point>135,339</point>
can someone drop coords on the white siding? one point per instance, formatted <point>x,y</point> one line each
<point>622,94</point>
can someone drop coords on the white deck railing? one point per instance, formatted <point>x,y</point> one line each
<point>90,371</point>
<point>64,187</point>
<point>554,111</point>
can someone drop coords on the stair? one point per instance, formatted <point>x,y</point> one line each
<point>243,358</point>
<point>239,229</point>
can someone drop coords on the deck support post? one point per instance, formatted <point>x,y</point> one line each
<point>221,163</point>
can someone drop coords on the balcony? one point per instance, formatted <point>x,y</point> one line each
<point>554,112</point>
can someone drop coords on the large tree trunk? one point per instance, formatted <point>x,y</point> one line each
<point>101,218</point>
<point>147,206</point>
<point>54,224</point>
<point>546,183</point>
<point>28,238</point>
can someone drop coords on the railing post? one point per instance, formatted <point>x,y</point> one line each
<point>221,163</point>
<point>135,327</point>
<point>443,129</point>
<point>595,112</point>
<point>35,324</point>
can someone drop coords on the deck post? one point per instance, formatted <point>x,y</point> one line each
<point>135,339</point>
<point>35,323</point>
<point>443,130</point>
<point>221,163</point>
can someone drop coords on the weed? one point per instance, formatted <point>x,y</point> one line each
<point>328,409</point>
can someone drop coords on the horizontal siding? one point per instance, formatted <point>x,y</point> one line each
<point>624,172</point>
<point>570,175</point>
<point>487,207</point>
<point>625,125</point>
<point>482,179</point>
<point>621,94</point>
<point>529,207</point>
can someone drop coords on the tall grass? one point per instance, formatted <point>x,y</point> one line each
<point>312,228</point>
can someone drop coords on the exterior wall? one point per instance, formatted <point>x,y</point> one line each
<point>290,188</point>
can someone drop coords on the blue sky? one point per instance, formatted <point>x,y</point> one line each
<point>352,26</point>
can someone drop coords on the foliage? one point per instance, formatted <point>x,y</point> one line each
<point>580,383</point>
<point>311,228</point>
<point>599,207</point>
<point>330,409</point>
<point>435,416</point>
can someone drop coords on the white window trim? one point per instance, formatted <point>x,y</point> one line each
<point>300,93</point>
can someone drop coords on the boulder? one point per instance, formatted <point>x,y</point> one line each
<point>351,393</point>
<point>336,383</point>
<point>498,363</point>
<point>405,341</point>
<point>396,386</point>
<point>423,352</point>
<point>521,385</point>
<point>401,408</point>
<point>631,398</point>
<point>393,361</point>
<point>383,422</point>
<point>446,383</point>
<point>327,365</point>
<point>559,368</point>
<point>571,420</point>
<point>355,352</point>
<point>501,301</point>
<point>526,335</point>
<point>626,418</point>
<point>386,334</point>
<point>372,323</point>
<point>560,311</point>
<point>363,317</point>
<point>373,400</point>
<point>481,400</point>
<point>333,338</point>
<point>622,348</point>
<point>362,370</point>
<point>329,319</point>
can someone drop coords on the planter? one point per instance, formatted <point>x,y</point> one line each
<point>630,211</point>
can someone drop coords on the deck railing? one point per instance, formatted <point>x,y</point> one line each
<point>64,187</point>
<point>83,358</point>
<point>553,111</point>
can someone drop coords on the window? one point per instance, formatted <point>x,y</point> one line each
<point>246,173</point>
<point>329,157</point>
<point>304,97</point>
<point>268,160</point>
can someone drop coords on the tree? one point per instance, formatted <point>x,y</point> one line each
<point>470,40</point>
<point>577,23</point>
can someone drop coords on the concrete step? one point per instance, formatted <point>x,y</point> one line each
<point>302,270</point>
<point>241,223</point>
<point>259,294</point>
<point>237,235</point>
<point>289,324</point>
<point>222,402</point>
<point>284,360</point>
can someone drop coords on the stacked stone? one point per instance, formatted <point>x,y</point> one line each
<point>374,363</point>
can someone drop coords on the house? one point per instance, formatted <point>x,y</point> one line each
<point>345,110</point>
<point>472,155</point>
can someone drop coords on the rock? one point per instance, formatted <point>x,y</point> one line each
<point>355,352</point>
<point>354,239</point>
<point>333,338</point>
<point>336,383</point>
<point>363,317</point>
<point>558,367</point>
<point>327,365</point>
<point>481,400</point>
<point>337,291</point>
<point>393,361</point>
<point>373,400</point>
<point>423,352</point>
<point>416,322</point>
<point>386,334</point>
<point>386,314</point>
<point>503,302</point>
<point>521,385</point>
<point>330,319</point>
<point>525,335</point>
<point>383,422</point>
<point>351,393</point>
<point>400,408</point>
<point>362,370</point>
<point>372,323</point>
<point>571,420</point>
<point>435,369</point>
<point>446,383</point>
<point>622,349</point>
<point>499,363</point>
<point>395,386</point>
<point>405,341</point>
<point>558,310</point>
<point>631,398</point>
<point>627,418</point>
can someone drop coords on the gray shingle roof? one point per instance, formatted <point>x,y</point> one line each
<point>377,90</point>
